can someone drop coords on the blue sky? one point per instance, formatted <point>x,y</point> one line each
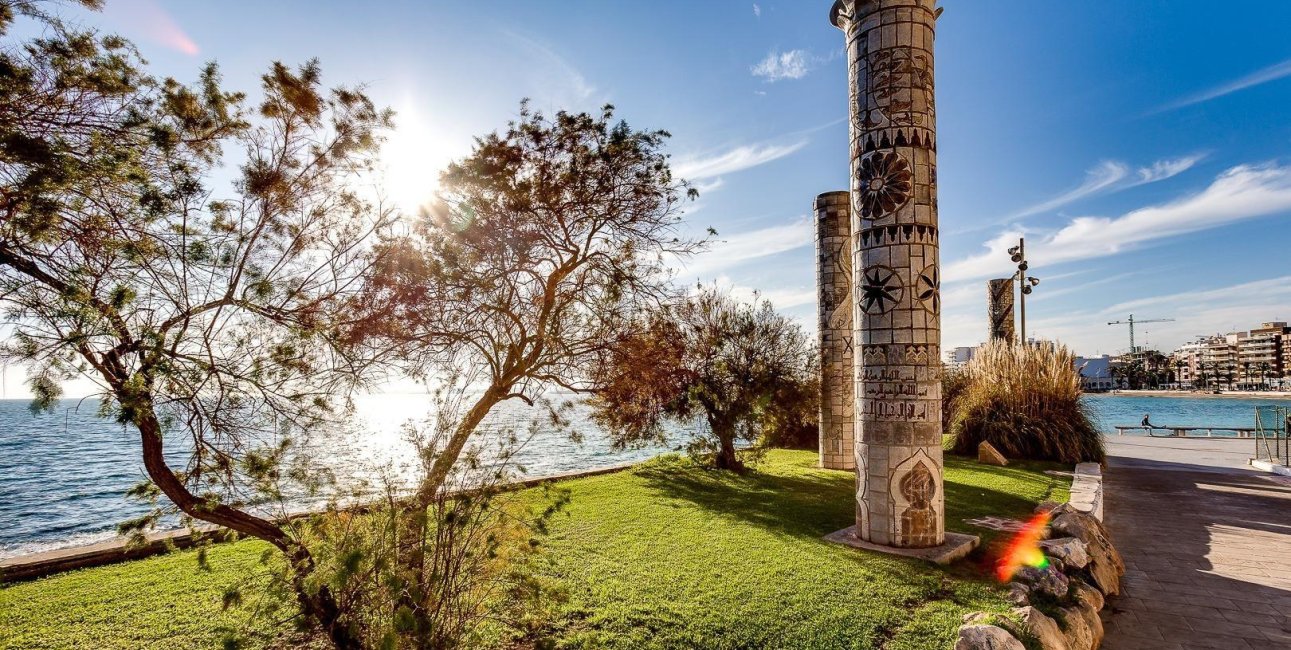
<point>1143,147</point>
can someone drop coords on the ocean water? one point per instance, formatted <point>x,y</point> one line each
<point>1110,411</point>
<point>63,475</point>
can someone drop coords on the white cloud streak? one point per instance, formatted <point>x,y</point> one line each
<point>1167,168</point>
<point>737,249</point>
<point>1243,192</point>
<point>757,11</point>
<point>696,168</point>
<point>1101,177</point>
<point>1111,176</point>
<point>1259,77</point>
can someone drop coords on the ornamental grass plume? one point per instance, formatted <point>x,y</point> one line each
<point>1025,401</point>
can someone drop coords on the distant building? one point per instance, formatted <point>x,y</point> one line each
<point>1096,374</point>
<point>1254,360</point>
<point>958,357</point>
<point>1260,355</point>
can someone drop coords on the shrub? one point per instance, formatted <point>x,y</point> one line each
<point>1025,401</point>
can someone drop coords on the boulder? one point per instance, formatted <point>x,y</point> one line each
<point>1092,620</point>
<point>1019,594</point>
<point>1044,629</point>
<point>1086,595</point>
<point>1068,549</point>
<point>1078,634</point>
<point>989,455</point>
<point>1050,581</point>
<point>986,637</point>
<point>1105,565</point>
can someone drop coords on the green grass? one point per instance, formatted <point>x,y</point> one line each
<point>666,555</point>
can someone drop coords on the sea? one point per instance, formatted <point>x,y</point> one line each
<point>64,474</point>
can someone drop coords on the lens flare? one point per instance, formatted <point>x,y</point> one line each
<point>1024,549</point>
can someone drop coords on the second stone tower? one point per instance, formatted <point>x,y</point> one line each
<point>896,275</point>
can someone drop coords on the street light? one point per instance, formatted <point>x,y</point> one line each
<point>1019,256</point>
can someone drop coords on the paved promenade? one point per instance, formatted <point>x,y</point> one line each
<point>1207,546</point>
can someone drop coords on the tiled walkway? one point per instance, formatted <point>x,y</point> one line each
<point>1207,547</point>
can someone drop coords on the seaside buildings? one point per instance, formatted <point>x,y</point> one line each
<point>1253,360</point>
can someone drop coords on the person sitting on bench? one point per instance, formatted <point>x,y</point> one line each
<point>1147,422</point>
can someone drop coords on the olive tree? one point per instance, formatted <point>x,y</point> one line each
<point>742,368</point>
<point>204,311</point>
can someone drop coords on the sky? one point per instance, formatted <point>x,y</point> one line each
<point>1142,147</point>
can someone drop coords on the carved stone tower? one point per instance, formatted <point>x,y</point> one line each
<point>999,309</point>
<point>896,276</point>
<point>834,292</point>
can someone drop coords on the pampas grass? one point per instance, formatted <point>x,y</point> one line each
<point>1025,401</point>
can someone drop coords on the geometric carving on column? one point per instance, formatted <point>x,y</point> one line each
<point>895,268</point>
<point>834,297</point>
<point>999,309</point>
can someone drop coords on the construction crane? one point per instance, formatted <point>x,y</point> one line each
<point>1131,322</point>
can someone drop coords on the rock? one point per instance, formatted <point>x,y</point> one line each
<point>1050,581</point>
<point>1077,633</point>
<point>1046,506</point>
<point>989,455</point>
<point>976,618</point>
<point>1092,619</point>
<point>986,637</point>
<point>1087,596</point>
<point>1105,566</point>
<point>1044,629</point>
<point>1068,549</point>
<point>1019,594</point>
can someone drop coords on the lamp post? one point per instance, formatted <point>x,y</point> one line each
<point>1019,255</point>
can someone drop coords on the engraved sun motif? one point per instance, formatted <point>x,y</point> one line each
<point>880,290</point>
<point>883,184</point>
<point>928,289</point>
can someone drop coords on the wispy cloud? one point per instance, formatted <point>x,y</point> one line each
<point>696,168</point>
<point>733,250</point>
<point>1106,174</point>
<point>553,79</point>
<point>1111,176</point>
<point>1262,76</point>
<point>1167,168</point>
<point>778,66</point>
<point>781,298</point>
<point>1243,192</point>
<point>153,23</point>
<point>757,10</point>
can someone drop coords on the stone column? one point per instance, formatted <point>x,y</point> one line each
<point>899,497</point>
<point>999,309</point>
<point>834,290</point>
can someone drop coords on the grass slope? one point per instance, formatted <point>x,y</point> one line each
<point>666,555</point>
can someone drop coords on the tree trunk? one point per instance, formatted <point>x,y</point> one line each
<point>726,458</point>
<point>321,607</point>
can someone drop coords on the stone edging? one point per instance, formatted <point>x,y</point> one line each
<point>39,565</point>
<point>1083,569</point>
<point>1087,490</point>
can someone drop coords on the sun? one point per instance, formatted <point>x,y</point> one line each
<point>412,158</point>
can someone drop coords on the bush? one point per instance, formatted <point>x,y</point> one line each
<point>1025,401</point>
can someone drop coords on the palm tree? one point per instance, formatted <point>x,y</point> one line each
<point>1264,375</point>
<point>1179,365</point>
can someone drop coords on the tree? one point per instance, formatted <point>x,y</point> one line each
<point>204,313</point>
<point>733,364</point>
<point>546,242</point>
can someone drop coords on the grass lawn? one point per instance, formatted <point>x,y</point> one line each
<point>666,555</point>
